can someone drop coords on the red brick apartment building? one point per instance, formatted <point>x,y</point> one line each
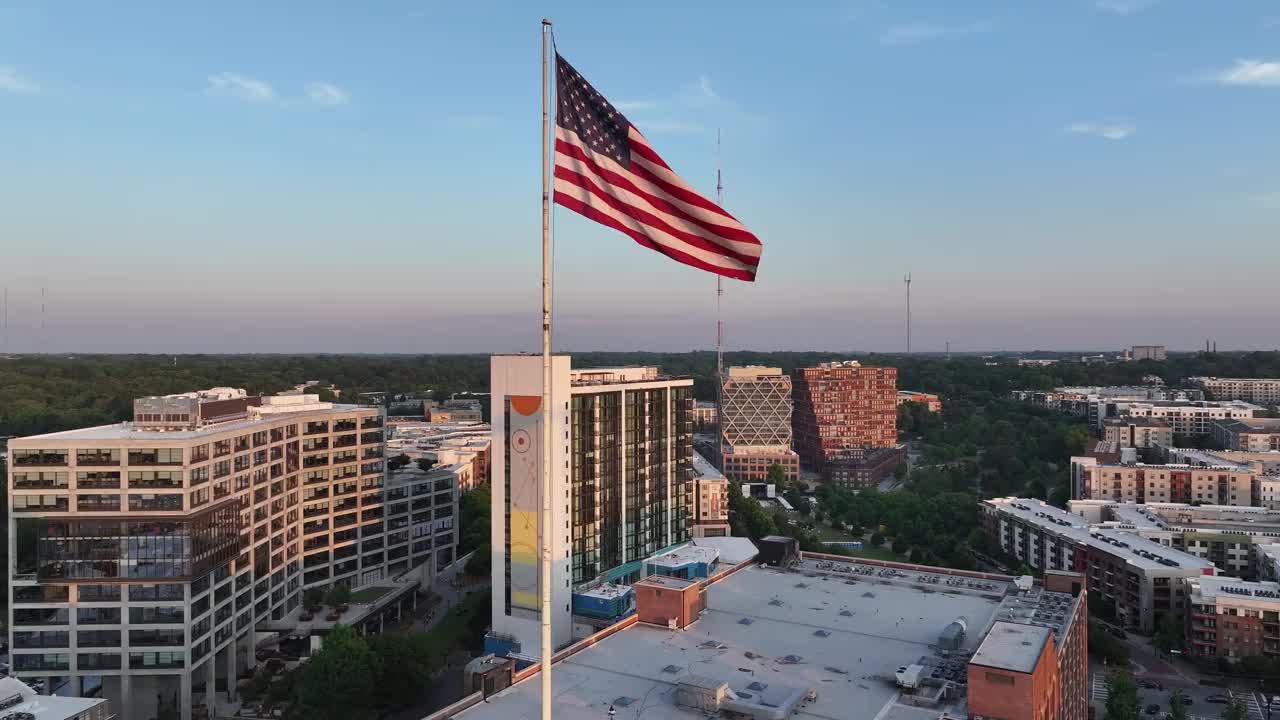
<point>1036,670</point>
<point>843,405</point>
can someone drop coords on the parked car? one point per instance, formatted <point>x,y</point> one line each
<point>1219,699</point>
<point>1151,684</point>
<point>1153,709</point>
<point>1186,700</point>
<point>1275,703</point>
<point>1118,632</point>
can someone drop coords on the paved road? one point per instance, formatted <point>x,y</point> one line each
<point>1200,706</point>
<point>450,594</point>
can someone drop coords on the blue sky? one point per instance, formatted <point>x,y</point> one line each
<point>323,176</point>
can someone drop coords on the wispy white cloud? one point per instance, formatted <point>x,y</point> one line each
<point>915,33</point>
<point>1125,7</point>
<point>238,86</point>
<point>1108,131</point>
<point>12,81</point>
<point>691,110</point>
<point>701,93</point>
<point>325,93</point>
<point>1250,72</point>
<point>633,105</point>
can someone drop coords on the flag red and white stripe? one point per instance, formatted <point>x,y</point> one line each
<point>608,172</point>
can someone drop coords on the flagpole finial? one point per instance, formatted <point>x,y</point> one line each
<point>546,22</point>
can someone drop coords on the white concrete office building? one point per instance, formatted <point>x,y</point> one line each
<point>622,441</point>
<point>147,552</point>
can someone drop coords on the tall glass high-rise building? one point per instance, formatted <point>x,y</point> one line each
<point>622,443</point>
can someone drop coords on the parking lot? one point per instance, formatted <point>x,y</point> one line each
<point>1200,707</point>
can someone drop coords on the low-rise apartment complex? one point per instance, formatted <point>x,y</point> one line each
<point>1248,434</point>
<point>1142,579</point>
<point>1142,483</point>
<point>1190,417</point>
<point>929,400</point>
<point>1233,618</point>
<point>1224,535</point>
<point>1260,391</point>
<point>711,500</point>
<point>863,468</point>
<point>1138,432</point>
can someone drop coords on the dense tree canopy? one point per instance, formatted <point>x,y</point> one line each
<point>46,393</point>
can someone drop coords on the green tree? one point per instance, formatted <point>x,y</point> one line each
<point>1235,710</point>
<point>403,675</point>
<point>339,681</point>
<point>313,597</point>
<point>425,464</point>
<point>473,519</point>
<point>797,500</point>
<point>746,516</point>
<point>1122,696</point>
<point>1169,634</point>
<point>876,539</point>
<point>397,462</point>
<point>1177,708</point>
<point>481,561</point>
<point>777,475</point>
<point>338,594</point>
<point>1105,646</point>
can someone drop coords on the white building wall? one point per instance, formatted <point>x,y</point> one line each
<point>522,375</point>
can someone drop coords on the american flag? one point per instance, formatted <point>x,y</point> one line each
<point>607,171</point>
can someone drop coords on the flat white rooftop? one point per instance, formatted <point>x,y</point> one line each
<point>1210,588</point>
<point>127,431</point>
<point>843,636</point>
<point>1137,551</point>
<point>1012,646</point>
<point>43,707</point>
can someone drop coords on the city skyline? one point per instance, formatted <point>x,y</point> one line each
<point>228,180</point>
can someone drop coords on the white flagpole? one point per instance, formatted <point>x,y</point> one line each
<point>545,524</point>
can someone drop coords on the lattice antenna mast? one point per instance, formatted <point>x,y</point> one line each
<point>907,279</point>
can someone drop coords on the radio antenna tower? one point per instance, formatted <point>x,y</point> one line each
<point>907,279</point>
<point>719,320</point>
